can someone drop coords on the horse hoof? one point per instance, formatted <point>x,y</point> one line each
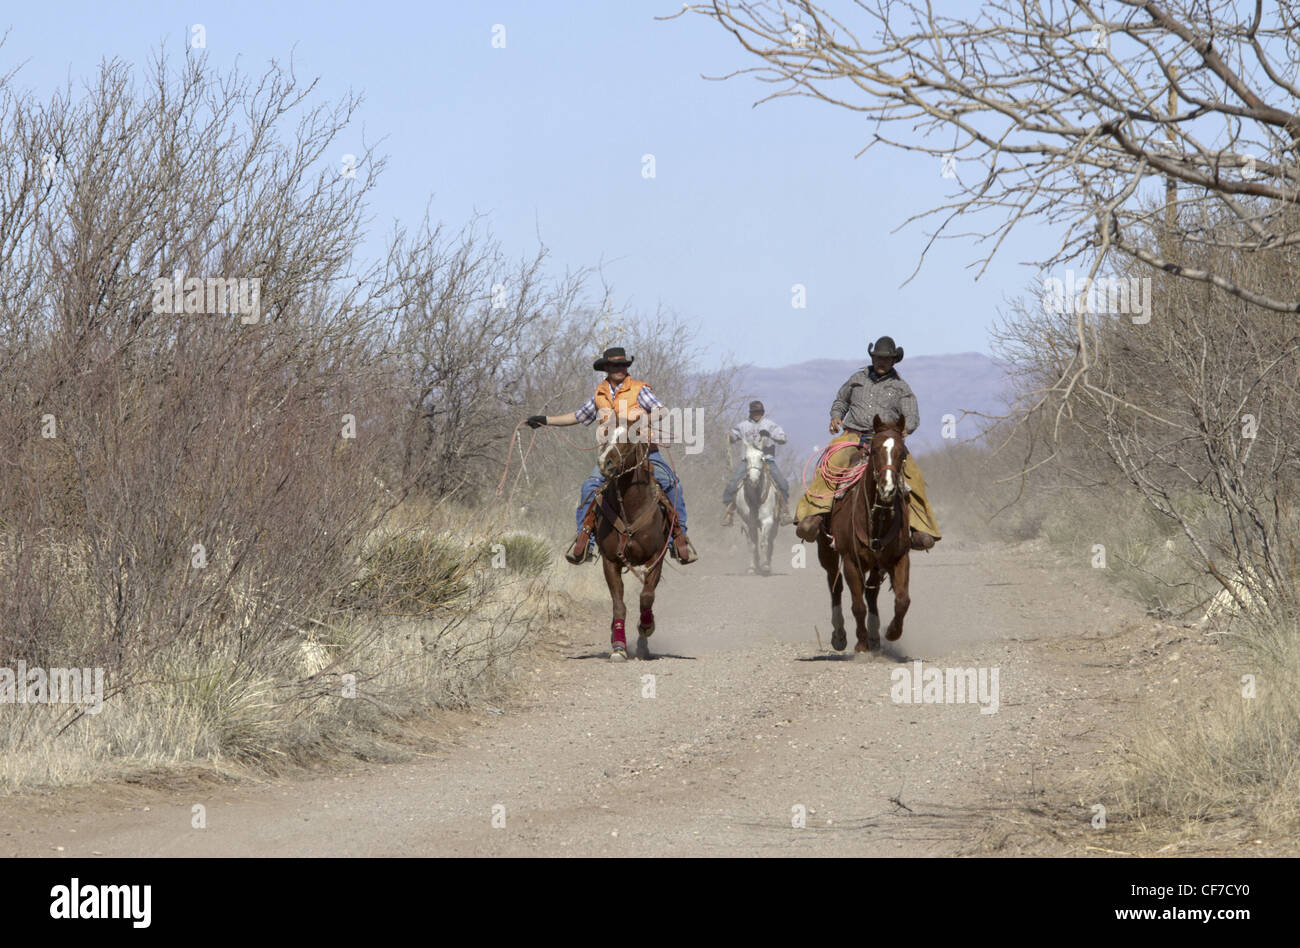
<point>642,648</point>
<point>892,633</point>
<point>839,639</point>
<point>618,654</point>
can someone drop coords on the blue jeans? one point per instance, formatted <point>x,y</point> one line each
<point>663,474</point>
<point>738,475</point>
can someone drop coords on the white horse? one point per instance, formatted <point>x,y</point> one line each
<point>758,511</point>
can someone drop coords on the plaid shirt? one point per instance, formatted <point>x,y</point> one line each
<point>867,394</point>
<point>646,399</point>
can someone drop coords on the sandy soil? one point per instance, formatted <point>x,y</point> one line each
<point>750,720</point>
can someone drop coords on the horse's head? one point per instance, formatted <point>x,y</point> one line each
<point>618,454</point>
<point>887,454</point>
<point>753,462</point>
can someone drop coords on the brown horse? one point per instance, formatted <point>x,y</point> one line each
<point>633,526</point>
<point>870,535</point>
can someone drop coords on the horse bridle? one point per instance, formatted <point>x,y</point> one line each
<point>864,442</point>
<point>618,519</point>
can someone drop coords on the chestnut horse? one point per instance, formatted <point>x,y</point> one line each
<point>871,535</point>
<point>633,528</point>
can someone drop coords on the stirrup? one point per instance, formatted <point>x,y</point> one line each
<point>588,554</point>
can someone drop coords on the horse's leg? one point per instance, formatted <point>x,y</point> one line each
<point>646,626</point>
<point>830,561</point>
<point>873,613</point>
<point>769,527</point>
<point>753,525</point>
<point>900,572</point>
<point>853,577</point>
<point>618,638</point>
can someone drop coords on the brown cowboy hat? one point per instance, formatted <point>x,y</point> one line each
<point>615,356</point>
<point>884,346</point>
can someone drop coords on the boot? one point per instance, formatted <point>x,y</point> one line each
<point>682,549</point>
<point>921,541</point>
<point>584,545</point>
<point>809,527</point>
<point>729,515</point>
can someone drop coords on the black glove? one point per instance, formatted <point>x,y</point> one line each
<point>536,421</point>
<point>764,433</point>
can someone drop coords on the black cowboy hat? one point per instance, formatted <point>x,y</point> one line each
<point>615,356</point>
<point>884,346</point>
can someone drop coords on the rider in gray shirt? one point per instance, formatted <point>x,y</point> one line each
<point>766,434</point>
<point>868,393</point>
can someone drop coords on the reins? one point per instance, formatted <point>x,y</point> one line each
<point>618,521</point>
<point>842,479</point>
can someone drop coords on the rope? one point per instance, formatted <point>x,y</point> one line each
<point>523,463</point>
<point>523,460</point>
<point>836,477</point>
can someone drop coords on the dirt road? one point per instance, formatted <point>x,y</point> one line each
<point>745,725</point>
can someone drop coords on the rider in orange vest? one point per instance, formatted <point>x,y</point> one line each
<point>619,395</point>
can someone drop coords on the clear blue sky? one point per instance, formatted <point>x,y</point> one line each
<point>547,136</point>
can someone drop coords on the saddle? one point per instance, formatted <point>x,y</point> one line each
<point>861,530</point>
<point>601,506</point>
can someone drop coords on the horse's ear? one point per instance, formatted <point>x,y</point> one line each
<point>877,424</point>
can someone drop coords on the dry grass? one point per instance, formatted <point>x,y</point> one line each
<point>431,623</point>
<point>1206,775</point>
<point>1231,765</point>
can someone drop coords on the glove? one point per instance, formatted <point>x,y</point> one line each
<point>764,433</point>
<point>536,421</point>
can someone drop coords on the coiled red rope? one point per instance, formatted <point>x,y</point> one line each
<point>838,478</point>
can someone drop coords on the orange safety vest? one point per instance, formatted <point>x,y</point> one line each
<point>617,405</point>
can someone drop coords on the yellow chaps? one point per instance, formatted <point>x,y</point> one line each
<point>817,499</point>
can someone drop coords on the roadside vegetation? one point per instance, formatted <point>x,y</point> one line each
<point>289,517</point>
<point>1184,493</point>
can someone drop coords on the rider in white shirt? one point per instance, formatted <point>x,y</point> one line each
<point>767,434</point>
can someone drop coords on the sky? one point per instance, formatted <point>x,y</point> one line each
<point>546,137</point>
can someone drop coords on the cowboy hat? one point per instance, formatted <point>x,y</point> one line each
<point>615,356</point>
<point>884,346</point>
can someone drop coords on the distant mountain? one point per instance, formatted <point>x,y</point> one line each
<point>799,396</point>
